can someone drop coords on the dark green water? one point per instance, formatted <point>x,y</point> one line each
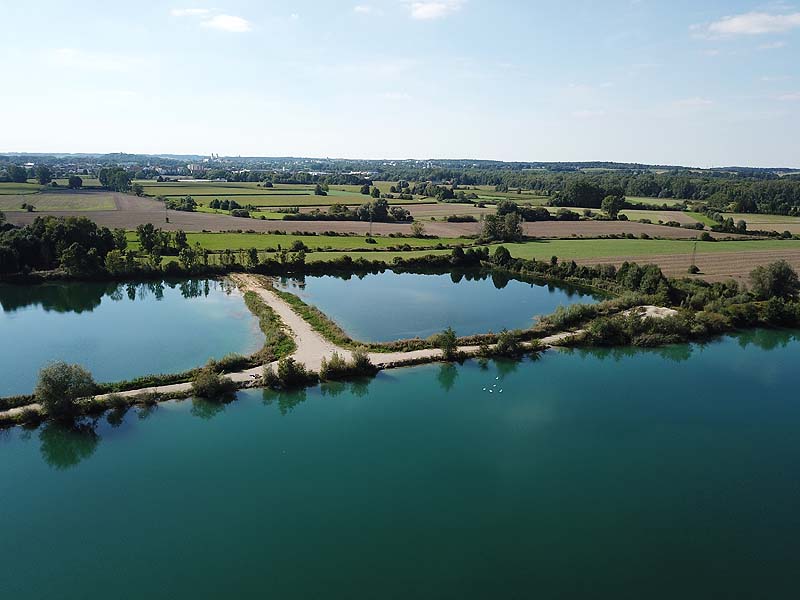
<point>391,306</point>
<point>119,331</point>
<point>668,475</point>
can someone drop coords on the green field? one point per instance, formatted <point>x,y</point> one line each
<point>261,241</point>
<point>250,193</point>
<point>660,215</point>
<point>779,223</point>
<point>587,249</point>
<point>59,200</point>
<point>655,201</point>
<point>577,249</point>
<point>16,189</point>
<point>540,250</point>
<point>704,219</point>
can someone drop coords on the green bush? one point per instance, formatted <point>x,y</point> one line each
<point>447,342</point>
<point>508,343</point>
<point>60,386</point>
<point>335,368</point>
<point>290,374</point>
<point>210,384</point>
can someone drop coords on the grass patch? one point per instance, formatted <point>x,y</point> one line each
<point>702,218</point>
<point>263,241</point>
<point>16,189</point>
<point>65,200</point>
<point>277,343</point>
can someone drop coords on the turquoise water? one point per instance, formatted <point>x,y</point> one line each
<point>650,474</point>
<point>119,331</point>
<point>391,306</point>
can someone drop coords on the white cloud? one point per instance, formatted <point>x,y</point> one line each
<point>72,58</point>
<point>363,9</point>
<point>754,23</point>
<point>694,102</point>
<point>228,23</point>
<point>795,97</point>
<point>294,17</point>
<point>427,11</point>
<point>189,12</point>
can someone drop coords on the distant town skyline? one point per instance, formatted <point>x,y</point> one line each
<point>678,83</point>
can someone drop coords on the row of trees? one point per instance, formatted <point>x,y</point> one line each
<point>377,211</point>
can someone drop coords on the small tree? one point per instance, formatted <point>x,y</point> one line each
<point>448,343</point>
<point>290,374</point>
<point>43,174</point>
<point>507,343</point>
<point>75,182</point>
<point>60,386</point>
<point>137,189</point>
<point>417,229</point>
<point>611,205</point>
<point>775,280</point>
<point>376,193</point>
<point>212,385</point>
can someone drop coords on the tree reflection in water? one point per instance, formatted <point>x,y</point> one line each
<point>448,373</point>
<point>65,445</point>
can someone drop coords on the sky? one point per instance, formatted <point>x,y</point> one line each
<point>698,83</point>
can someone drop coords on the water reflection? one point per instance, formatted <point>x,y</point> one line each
<point>87,296</point>
<point>500,280</point>
<point>767,339</point>
<point>676,353</point>
<point>65,445</point>
<point>447,375</point>
<point>206,409</point>
<point>286,401</point>
<point>116,416</point>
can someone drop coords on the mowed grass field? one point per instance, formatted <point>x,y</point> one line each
<point>654,201</point>
<point>17,189</point>
<point>661,215</point>
<point>262,241</point>
<point>281,195</point>
<point>777,223</point>
<point>57,200</point>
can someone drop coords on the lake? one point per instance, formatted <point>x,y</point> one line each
<point>612,474</point>
<point>391,306</point>
<point>120,331</point>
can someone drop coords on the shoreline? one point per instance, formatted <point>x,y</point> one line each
<point>311,348</point>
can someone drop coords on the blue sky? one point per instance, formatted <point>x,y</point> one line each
<point>697,83</point>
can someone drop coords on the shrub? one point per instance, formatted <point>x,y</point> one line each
<point>775,280</point>
<point>335,368</point>
<point>211,385</point>
<point>60,386</point>
<point>447,342</point>
<point>290,374</point>
<point>508,343</point>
